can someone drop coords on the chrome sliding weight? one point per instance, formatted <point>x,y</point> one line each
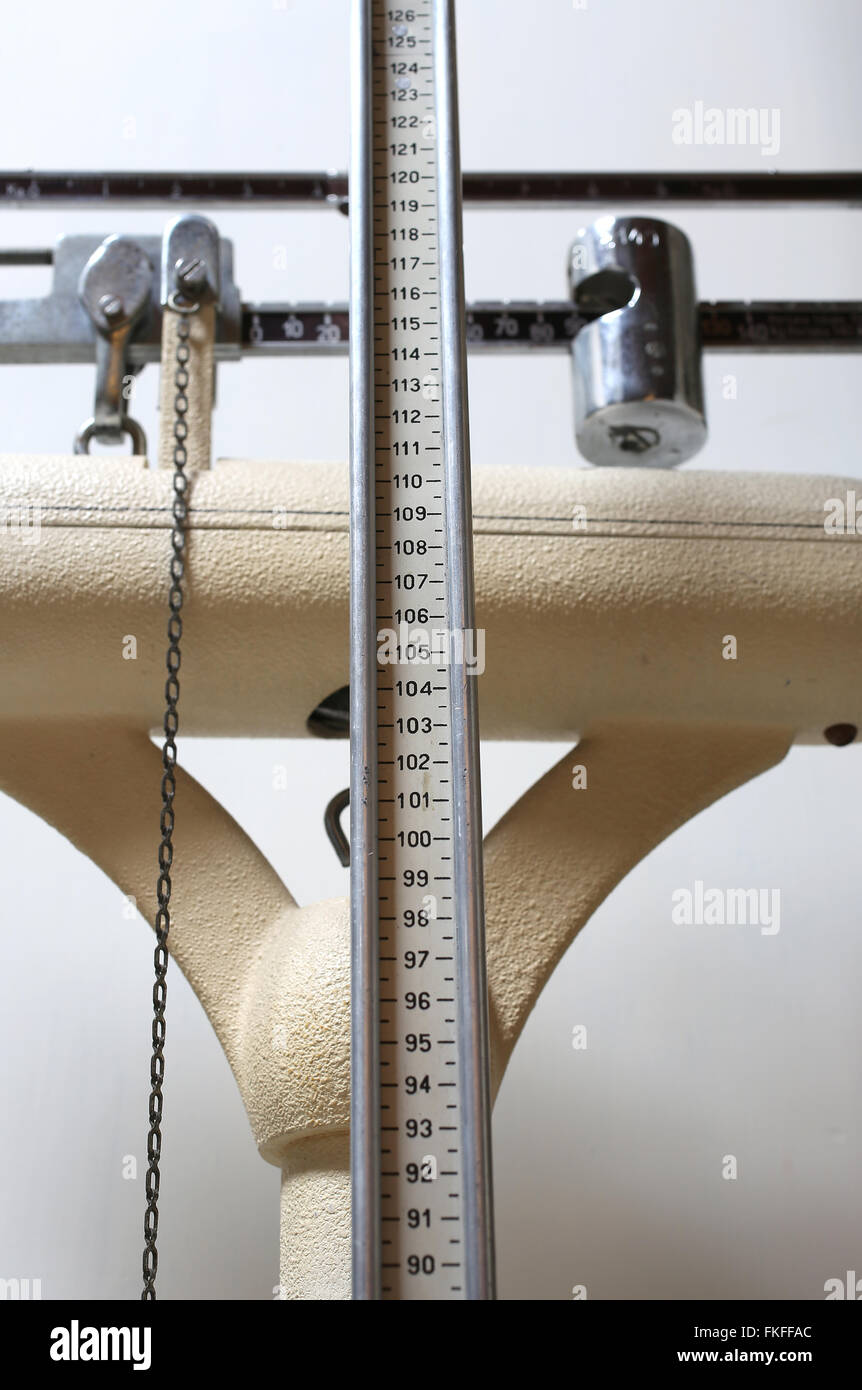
<point>636,367</point>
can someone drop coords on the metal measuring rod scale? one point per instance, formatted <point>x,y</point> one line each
<point>420,1160</point>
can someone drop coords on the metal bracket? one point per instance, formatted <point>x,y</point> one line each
<point>191,270</point>
<point>115,288</point>
<point>57,327</point>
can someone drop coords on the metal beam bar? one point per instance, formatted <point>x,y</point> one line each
<point>51,331</point>
<point>49,189</point>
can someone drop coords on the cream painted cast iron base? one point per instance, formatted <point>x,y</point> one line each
<point>607,598</point>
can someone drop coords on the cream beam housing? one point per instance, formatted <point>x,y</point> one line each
<point>606,597</point>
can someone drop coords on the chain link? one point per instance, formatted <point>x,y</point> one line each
<point>169,761</point>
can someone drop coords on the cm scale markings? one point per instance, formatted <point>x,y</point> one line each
<point>420,1151</point>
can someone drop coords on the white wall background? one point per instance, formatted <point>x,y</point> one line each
<point>702,1042</point>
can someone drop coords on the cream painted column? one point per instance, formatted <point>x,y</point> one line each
<point>200,390</point>
<point>274,978</point>
<point>548,865</point>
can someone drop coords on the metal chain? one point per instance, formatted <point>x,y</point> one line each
<point>169,760</point>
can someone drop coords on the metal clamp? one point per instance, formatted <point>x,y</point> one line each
<point>191,274</point>
<point>114,289</point>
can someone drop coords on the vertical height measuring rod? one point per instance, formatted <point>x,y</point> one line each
<point>420,1128</point>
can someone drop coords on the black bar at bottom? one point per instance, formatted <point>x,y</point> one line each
<point>79,1337</point>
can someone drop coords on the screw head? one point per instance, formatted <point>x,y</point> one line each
<point>840,734</point>
<point>192,274</point>
<point>112,307</point>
